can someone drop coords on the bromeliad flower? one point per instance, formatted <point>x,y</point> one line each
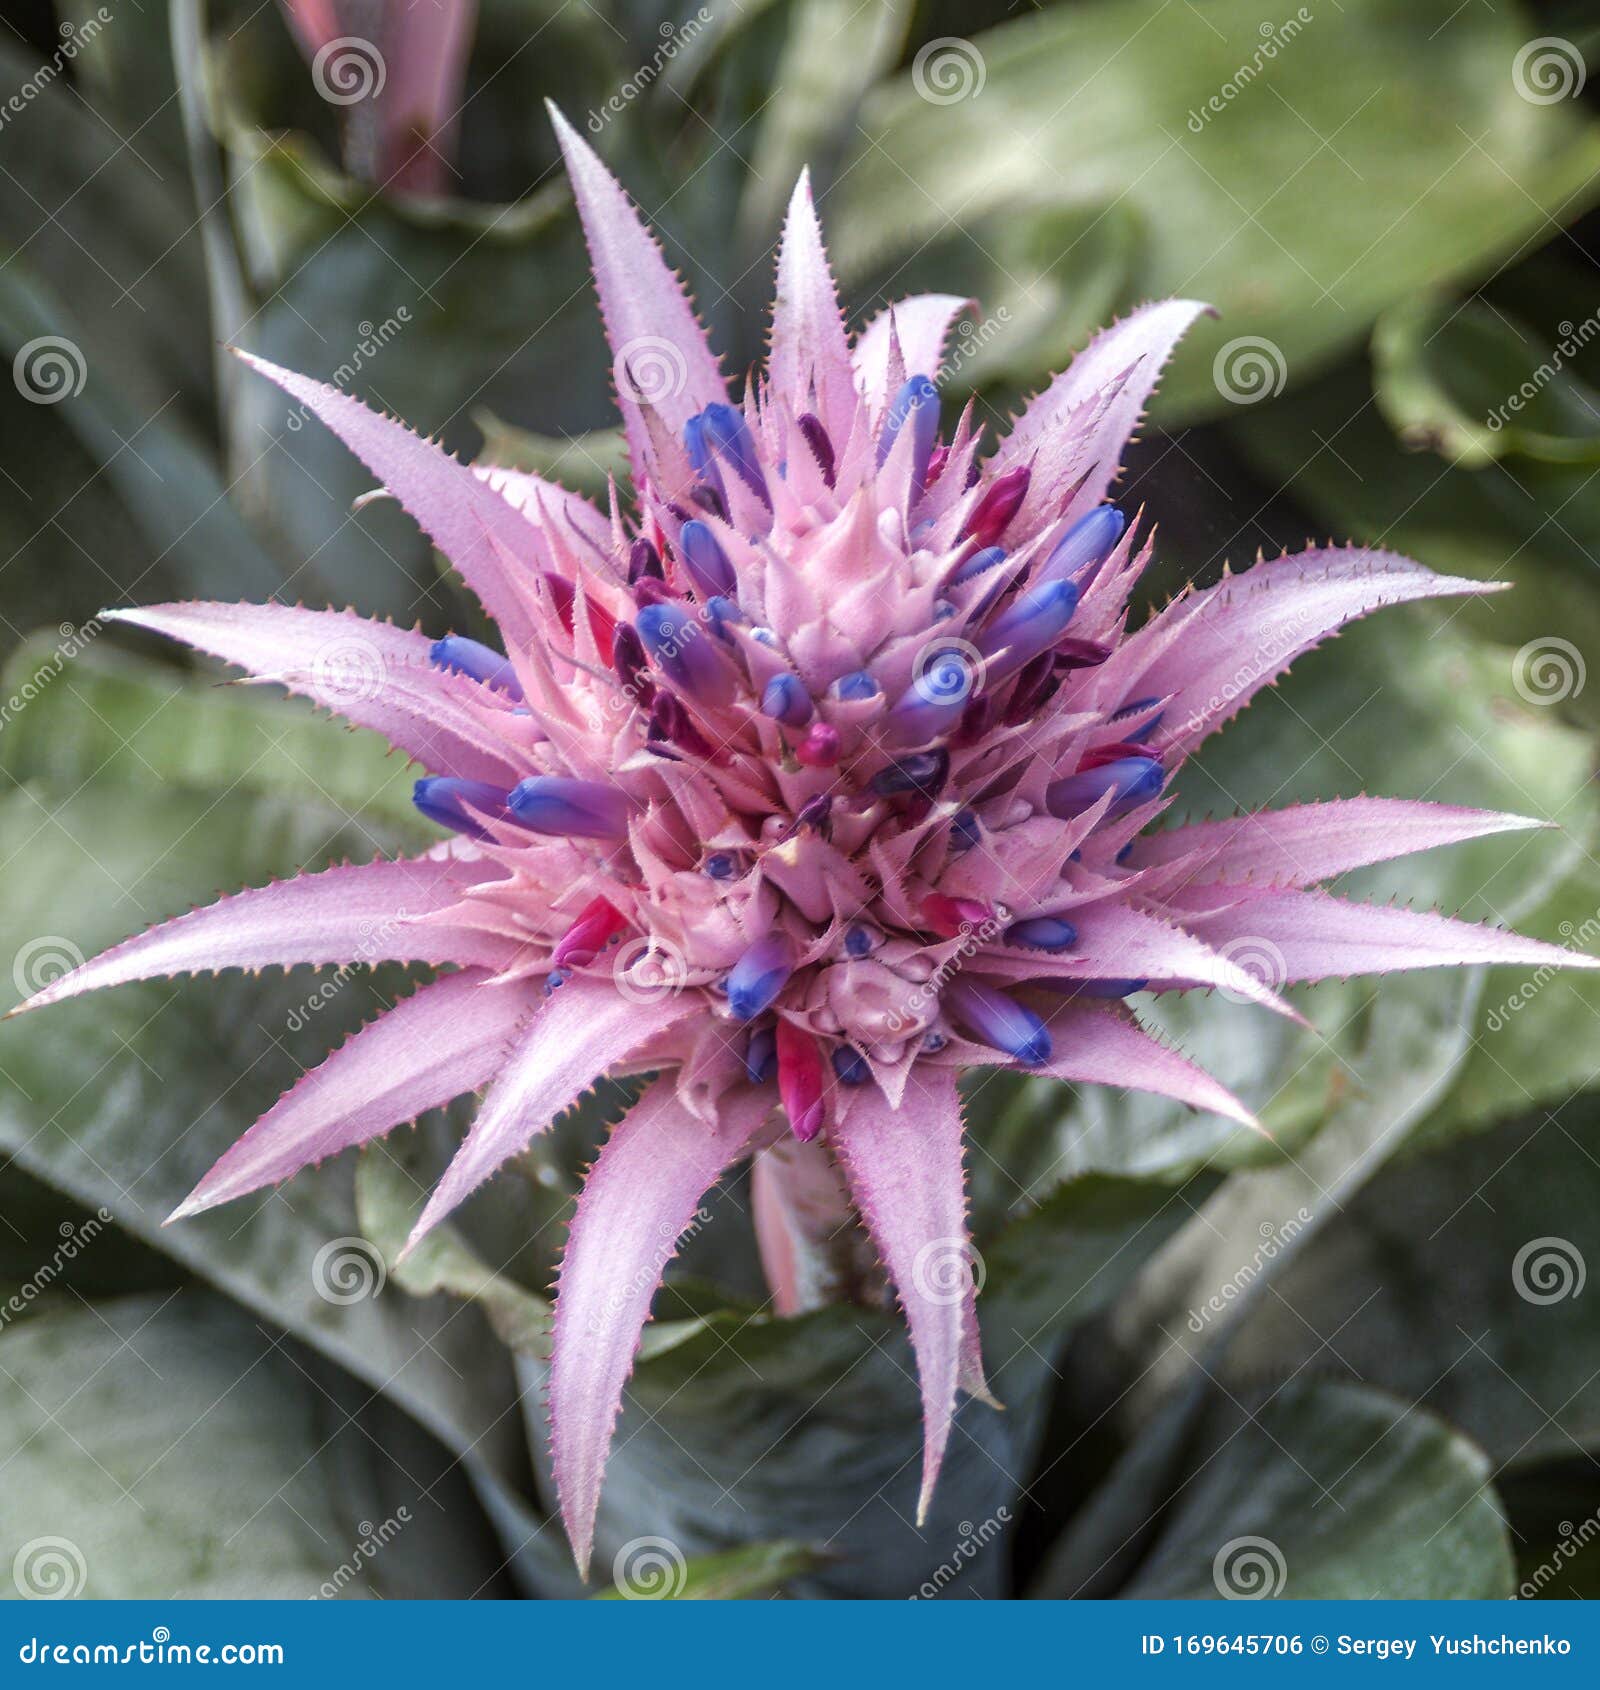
<point>827,772</point>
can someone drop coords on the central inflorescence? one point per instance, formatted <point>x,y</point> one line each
<point>860,762</point>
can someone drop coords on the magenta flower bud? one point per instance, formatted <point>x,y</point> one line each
<point>597,925</point>
<point>461,656</point>
<point>561,805</point>
<point>800,1081</point>
<point>992,1018</point>
<point>816,437</point>
<point>820,748</point>
<point>1090,540</point>
<point>758,976</point>
<point>644,561</point>
<point>1001,501</point>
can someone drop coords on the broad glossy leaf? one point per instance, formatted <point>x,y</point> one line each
<point>1218,134</point>
<point>167,1446</point>
<point>1462,1278</point>
<point>1326,1490</point>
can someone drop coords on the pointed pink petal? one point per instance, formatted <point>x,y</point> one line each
<point>342,915</point>
<point>650,323</point>
<point>532,495</point>
<point>1212,651</point>
<point>810,353</point>
<point>640,1197</point>
<point>371,673</point>
<point>584,1031</point>
<point>1316,936</point>
<point>1125,360</point>
<point>1104,1047</point>
<point>921,324</point>
<point>446,1039</point>
<point>464,517</point>
<point>1311,842</point>
<point>905,1172</point>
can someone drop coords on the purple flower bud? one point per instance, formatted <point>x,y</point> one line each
<point>923,773</point>
<point>977,564</point>
<point>1132,779</point>
<point>669,721</point>
<point>916,405</point>
<point>936,700</point>
<point>1035,687</point>
<point>785,700</point>
<point>816,437</point>
<point>697,443</point>
<point>1088,541</point>
<point>858,941</point>
<point>565,807</point>
<point>1042,933</point>
<point>858,684</point>
<point>1068,987</point>
<point>721,865</point>
<point>458,655</point>
<point>724,431</point>
<point>722,613</point>
<point>994,1019</point>
<point>761,1056</point>
<point>758,976</point>
<point>965,831</point>
<point>628,659</point>
<point>1137,716</point>
<point>706,562</point>
<point>644,560</point>
<point>850,1065</point>
<point>444,799</point>
<point>681,650</point>
<point>1031,623</point>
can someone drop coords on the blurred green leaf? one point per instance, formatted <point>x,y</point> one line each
<point>165,1446</point>
<point>739,1575</point>
<point>1301,178</point>
<point>1469,383</point>
<point>1459,1279</point>
<point>1318,1490</point>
